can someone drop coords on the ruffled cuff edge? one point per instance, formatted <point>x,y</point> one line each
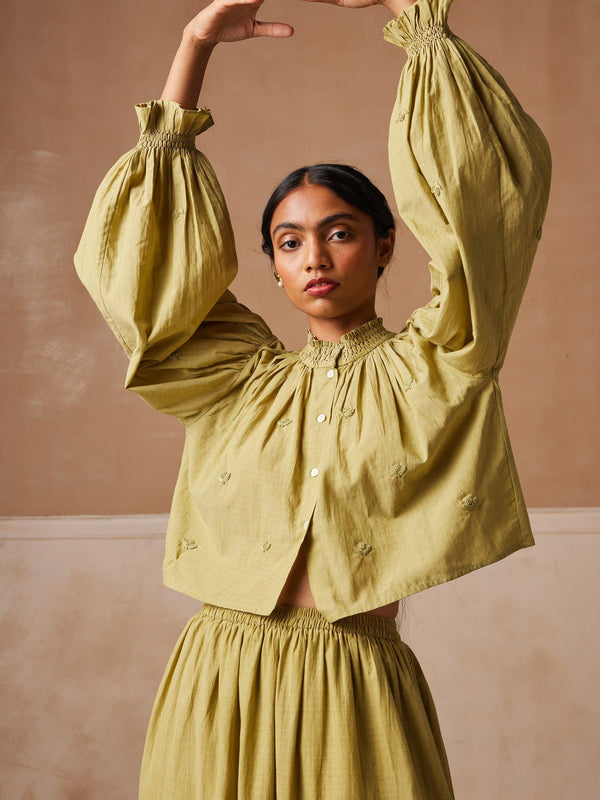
<point>419,26</point>
<point>164,123</point>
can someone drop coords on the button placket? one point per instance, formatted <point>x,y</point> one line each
<point>331,374</point>
<point>321,416</point>
<point>306,518</point>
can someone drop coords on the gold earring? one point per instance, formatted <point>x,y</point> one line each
<point>278,279</point>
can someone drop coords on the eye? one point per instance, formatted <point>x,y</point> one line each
<point>289,244</point>
<point>340,236</point>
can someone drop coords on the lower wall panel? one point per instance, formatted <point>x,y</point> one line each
<point>511,653</point>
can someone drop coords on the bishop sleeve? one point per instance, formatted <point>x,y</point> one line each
<point>157,255</point>
<point>471,176</point>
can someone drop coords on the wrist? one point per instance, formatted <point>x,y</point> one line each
<point>196,43</point>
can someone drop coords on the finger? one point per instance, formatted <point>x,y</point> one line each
<point>277,29</point>
<point>346,3</point>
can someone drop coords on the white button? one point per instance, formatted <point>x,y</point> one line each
<point>321,418</point>
<point>330,373</point>
<point>314,472</point>
<point>305,525</point>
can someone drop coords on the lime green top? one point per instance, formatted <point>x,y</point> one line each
<point>387,453</point>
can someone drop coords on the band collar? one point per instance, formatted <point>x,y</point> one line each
<point>353,345</point>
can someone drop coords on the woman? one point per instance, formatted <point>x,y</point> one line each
<point>319,487</point>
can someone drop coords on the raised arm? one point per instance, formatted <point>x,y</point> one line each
<point>471,175</point>
<point>157,253</point>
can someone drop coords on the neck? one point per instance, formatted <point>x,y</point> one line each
<point>332,330</point>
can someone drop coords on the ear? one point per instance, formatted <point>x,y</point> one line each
<point>385,248</point>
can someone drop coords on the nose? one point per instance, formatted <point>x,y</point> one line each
<point>317,254</point>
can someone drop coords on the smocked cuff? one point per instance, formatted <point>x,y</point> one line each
<point>165,124</point>
<point>420,26</point>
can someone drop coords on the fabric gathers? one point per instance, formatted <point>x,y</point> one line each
<point>293,707</point>
<point>389,450</point>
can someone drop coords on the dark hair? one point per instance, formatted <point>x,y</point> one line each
<point>347,182</point>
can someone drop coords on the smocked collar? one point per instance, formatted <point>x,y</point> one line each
<point>353,345</point>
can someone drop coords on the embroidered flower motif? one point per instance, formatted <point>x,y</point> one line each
<point>347,411</point>
<point>436,188</point>
<point>176,355</point>
<point>179,212</point>
<point>363,548</point>
<point>469,502</point>
<point>538,233</point>
<point>402,115</point>
<point>189,544</point>
<point>398,470</point>
<point>265,545</point>
<point>284,421</point>
<point>224,477</point>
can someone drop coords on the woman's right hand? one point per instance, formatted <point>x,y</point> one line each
<point>221,21</point>
<point>232,21</point>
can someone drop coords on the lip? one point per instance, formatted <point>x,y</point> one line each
<point>319,287</point>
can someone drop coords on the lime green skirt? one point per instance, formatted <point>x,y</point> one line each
<point>293,707</point>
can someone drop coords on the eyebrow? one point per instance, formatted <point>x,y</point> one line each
<point>322,224</point>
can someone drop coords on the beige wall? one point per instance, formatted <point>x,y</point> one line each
<point>73,441</point>
<point>511,652</point>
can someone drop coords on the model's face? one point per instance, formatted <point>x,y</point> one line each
<point>319,238</point>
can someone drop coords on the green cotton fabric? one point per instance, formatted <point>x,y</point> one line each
<point>293,707</point>
<point>386,453</point>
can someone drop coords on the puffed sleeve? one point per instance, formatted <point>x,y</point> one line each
<point>157,255</point>
<point>471,176</point>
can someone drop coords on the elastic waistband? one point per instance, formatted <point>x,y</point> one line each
<point>307,618</point>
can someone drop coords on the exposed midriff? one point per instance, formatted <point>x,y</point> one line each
<point>296,591</point>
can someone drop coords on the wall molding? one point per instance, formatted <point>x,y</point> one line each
<point>130,526</point>
<point>565,520</point>
<point>153,526</point>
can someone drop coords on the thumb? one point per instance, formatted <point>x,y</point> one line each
<point>277,29</point>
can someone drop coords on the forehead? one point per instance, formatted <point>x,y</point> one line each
<point>307,205</point>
